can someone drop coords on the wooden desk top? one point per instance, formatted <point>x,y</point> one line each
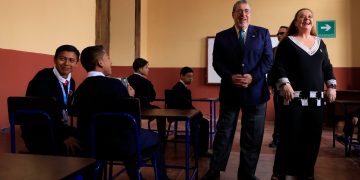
<point>26,166</point>
<point>194,99</point>
<point>348,102</point>
<point>176,113</point>
<point>205,99</point>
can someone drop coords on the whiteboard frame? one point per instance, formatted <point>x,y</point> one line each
<point>211,77</point>
<point>274,41</point>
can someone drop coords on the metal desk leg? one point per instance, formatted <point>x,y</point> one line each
<point>187,148</point>
<point>187,154</point>
<point>334,126</point>
<point>214,117</point>
<point>347,140</point>
<point>211,124</point>
<point>12,132</point>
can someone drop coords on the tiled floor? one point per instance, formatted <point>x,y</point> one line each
<point>331,163</point>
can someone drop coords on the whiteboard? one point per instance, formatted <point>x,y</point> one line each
<point>212,76</point>
<point>274,41</point>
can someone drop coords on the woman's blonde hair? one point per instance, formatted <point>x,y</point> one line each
<point>293,30</point>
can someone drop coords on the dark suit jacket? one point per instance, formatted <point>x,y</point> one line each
<point>95,94</point>
<point>255,59</point>
<point>270,77</point>
<point>45,84</point>
<point>144,90</point>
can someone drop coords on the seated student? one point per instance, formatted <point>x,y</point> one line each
<point>186,77</point>
<point>96,91</point>
<point>351,122</point>
<point>56,82</point>
<point>144,90</point>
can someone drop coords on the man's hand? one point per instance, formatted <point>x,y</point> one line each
<point>242,81</point>
<point>72,145</point>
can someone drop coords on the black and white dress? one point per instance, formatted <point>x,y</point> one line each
<point>306,69</point>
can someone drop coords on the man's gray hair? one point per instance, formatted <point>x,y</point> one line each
<point>239,2</point>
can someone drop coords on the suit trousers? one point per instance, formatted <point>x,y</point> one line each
<point>252,131</point>
<point>276,133</point>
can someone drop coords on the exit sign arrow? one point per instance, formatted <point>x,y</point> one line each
<point>326,27</point>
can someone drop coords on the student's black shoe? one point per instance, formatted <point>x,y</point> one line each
<point>343,139</point>
<point>212,175</point>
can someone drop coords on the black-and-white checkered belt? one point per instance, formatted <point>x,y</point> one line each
<point>306,98</point>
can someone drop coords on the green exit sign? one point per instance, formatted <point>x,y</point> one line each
<point>326,29</point>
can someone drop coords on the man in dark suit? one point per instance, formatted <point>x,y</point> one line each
<point>56,82</point>
<point>276,134</point>
<point>98,92</point>
<point>185,102</point>
<point>242,57</point>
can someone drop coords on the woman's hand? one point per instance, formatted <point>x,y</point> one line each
<point>331,94</point>
<point>288,92</point>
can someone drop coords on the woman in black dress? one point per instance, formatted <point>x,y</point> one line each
<point>301,67</point>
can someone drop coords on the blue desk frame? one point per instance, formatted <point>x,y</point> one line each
<point>212,105</point>
<point>187,114</point>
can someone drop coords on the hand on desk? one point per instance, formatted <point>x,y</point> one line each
<point>72,144</point>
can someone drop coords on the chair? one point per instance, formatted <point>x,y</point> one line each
<point>115,137</point>
<point>35,116</point>
<point>346,101</point>
<point>175,99</point>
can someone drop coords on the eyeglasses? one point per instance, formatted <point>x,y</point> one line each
<point>242,11</point>
<point>63,59</point>
<point>280,33</point>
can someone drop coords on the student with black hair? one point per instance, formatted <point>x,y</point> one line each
<point>98,91</point>
<point>201,124</point>
<point>144,90</point>
<point>56,82</point>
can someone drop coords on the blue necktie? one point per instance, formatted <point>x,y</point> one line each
<point>241,38</point>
